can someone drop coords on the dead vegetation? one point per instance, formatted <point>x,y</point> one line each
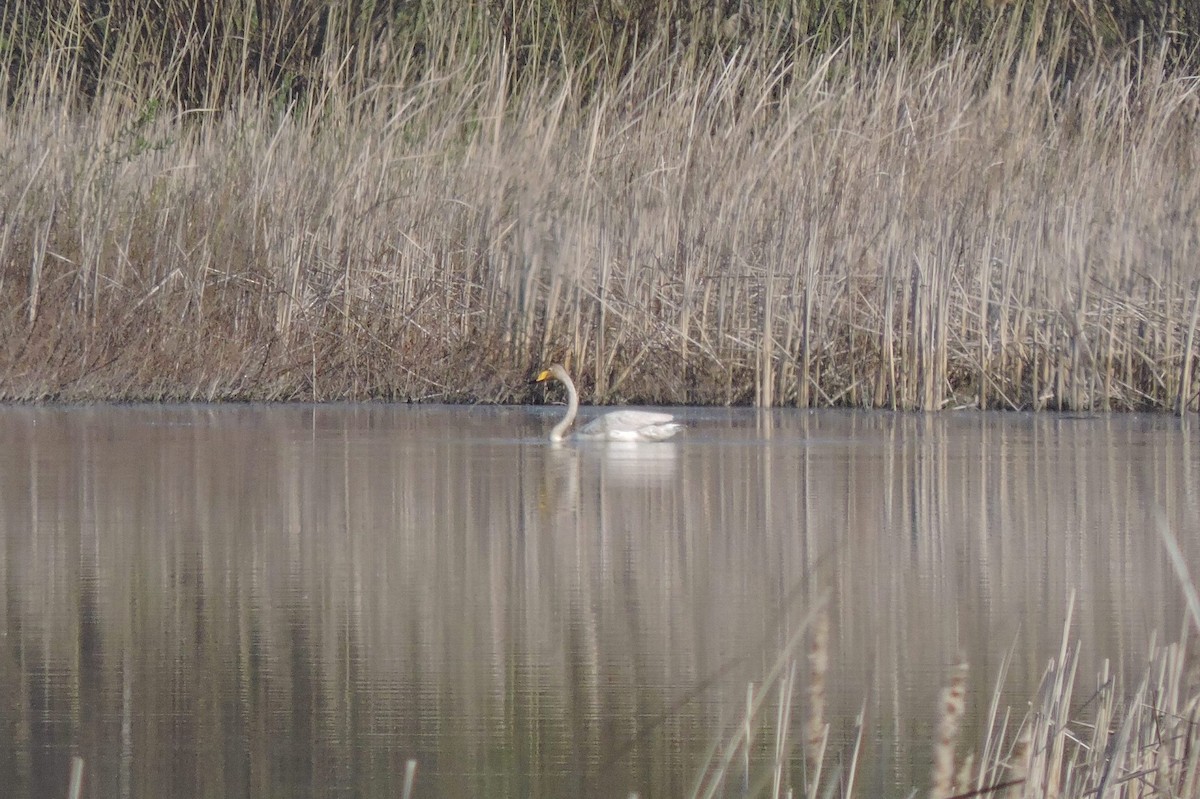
<point>768,218</point>
<point>1109,738</point>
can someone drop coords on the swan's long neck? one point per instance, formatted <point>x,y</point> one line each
<point>560,430</point>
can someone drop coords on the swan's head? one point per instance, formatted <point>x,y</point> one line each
<point>553,372</point>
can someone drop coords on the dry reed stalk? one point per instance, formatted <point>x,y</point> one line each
<point>989,752</point>
<point>410,778</point>
<point>951,706</point>
<point>1056,710</point>
<point>1186,391</point>
<point>815,726</point>
<point>1105,709</point>
<point>782,723</point>
<point>75,788</point>
<point>748,733</point>
<point>964,776</point>
<point>852,767</point>
<point>1019,764</point>
<point>711,778</point>
<point>1189,743</point>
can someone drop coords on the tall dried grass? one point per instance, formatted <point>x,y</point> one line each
<point>952,704</point>
<point>1113,740</point>
<point>938,222</point>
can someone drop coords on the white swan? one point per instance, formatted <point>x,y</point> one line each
<point>615,426</point>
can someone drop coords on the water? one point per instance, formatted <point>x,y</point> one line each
<point>298,601</point>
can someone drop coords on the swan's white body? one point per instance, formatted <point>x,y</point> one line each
<point>615,426</point>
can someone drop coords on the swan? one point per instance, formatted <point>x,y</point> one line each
<point>615,426</point>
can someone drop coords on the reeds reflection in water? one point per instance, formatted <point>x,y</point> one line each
<point>302,599</point>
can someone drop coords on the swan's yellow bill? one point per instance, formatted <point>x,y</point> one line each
<point>543,375</point>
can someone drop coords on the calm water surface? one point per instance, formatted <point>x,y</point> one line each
<point>298,601</point>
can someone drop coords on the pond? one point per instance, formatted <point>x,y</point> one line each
<point>333,600</point>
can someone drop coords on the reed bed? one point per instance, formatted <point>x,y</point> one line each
<point>1109,739</point>
<point>427,209</point>
<point>1121,736</point>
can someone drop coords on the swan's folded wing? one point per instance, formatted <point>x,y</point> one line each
<point>631,426</point>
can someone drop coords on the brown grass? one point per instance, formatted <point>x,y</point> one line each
<point>1115,740</point>
<point>816,729</point>
<point>952,705</point>
<point>947,225</point>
